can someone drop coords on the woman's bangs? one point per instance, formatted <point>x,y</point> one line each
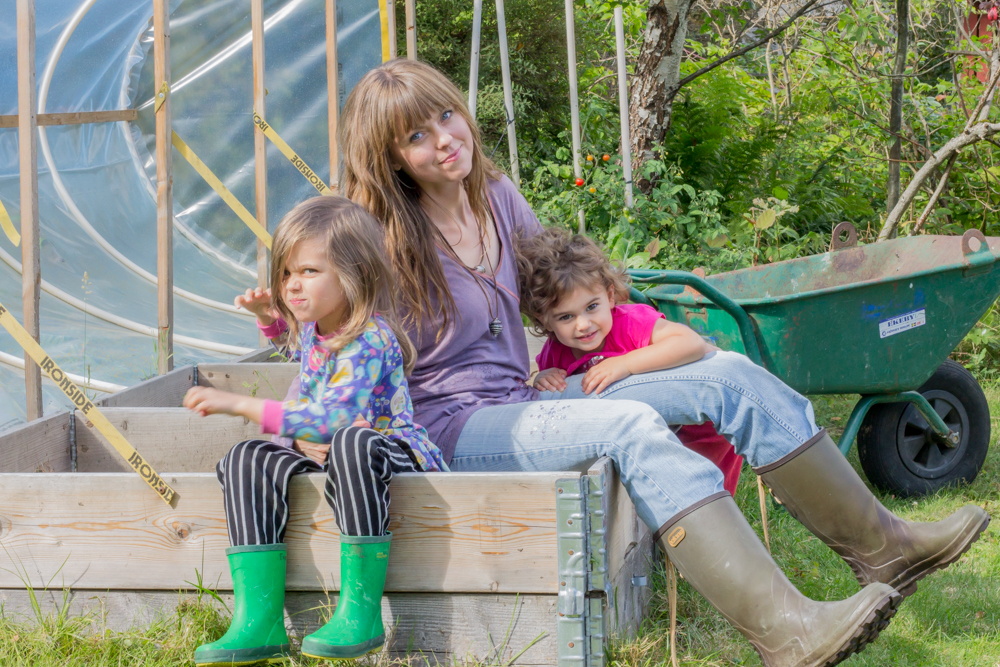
<point>414,103</point>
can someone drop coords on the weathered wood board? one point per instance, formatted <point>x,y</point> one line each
<point>630,554</point>
<point>452,533</point>
<point>263,380</point>
<point>263,354</point>
<point>42,446</point>
<point>163,391</point>
<point>443,627</point>
<point>170,439</point>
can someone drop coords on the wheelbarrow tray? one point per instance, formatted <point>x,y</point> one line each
<point>868,319</point>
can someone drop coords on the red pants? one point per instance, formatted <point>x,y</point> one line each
<point>705,440</point>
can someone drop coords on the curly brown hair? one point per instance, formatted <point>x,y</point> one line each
<point>553,263</point>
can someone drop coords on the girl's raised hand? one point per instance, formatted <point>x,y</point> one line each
<point>258,302</point>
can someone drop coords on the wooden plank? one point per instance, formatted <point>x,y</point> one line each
<point>164,192</point>
<point>170,439</point>
<point>452,533</point>
<point>411,29</point>
<point>629,548</point>
<point>259,142</point>
<point>333,92</point>
<point>391,9</point>
<point>39,446</point>
<point>75,118</point>
<point>27,143</point>
<point>162,391</point>
<point>260,380</point>
<point>444,628</point>
<point>263,354</point>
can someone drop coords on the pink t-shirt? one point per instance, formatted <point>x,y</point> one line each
<point>631,329</point>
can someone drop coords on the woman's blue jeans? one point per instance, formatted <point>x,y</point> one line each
<point>761,416</point>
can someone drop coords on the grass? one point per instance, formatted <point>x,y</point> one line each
<point>953,620</point>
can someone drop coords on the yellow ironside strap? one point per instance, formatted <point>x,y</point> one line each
<point>292,156</point>
<point>221,190</point>
<point>383,13</point>
<point>84,405</point>
<point>8,226</point>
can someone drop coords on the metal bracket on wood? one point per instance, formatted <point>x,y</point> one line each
<point>571,542</point>
<point>597,534</point>
<point>583,570</point>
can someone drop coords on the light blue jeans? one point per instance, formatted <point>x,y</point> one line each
<point>761,416</point>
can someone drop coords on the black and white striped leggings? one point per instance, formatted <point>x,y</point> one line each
<point>255,476</point>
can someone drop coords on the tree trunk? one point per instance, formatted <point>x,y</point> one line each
<point>896,102</point>
<point>657,72</point>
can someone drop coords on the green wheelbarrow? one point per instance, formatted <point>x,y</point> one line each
<point>878,320</point>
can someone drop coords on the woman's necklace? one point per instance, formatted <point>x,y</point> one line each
<point>496,325</point>
<point>461,235</point>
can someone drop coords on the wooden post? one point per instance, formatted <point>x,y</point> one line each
<point>164,190</point>
<point>623,104</point>
<point>27,137</point>
<point>333,92</point>
<point>390,6</point>
<point>411,29</point>
<point>508,98</point>
<point>574,101</point>
<point>477,24</point>
<point>259,141</point>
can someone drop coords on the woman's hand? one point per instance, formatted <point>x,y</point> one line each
<point>258,302</point>
<point>605,373</point>
<point>209,401</point>
<point>551,379</point>
<point>317,451</point>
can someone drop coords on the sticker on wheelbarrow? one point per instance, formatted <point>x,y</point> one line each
<point>901,323</point>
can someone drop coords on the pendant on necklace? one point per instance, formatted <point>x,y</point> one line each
<point>480,269</point>
<point>496,327</point>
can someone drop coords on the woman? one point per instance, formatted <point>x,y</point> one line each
<point>413,158</point>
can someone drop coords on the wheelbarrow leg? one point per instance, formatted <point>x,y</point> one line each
<point>949,437</point>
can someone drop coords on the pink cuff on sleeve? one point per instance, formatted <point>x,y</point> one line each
<point>274,329</point>
<point>274,413</point>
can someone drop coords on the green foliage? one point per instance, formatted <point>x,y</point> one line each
<point>815,147</point>
<point>980,351</point>
<point>685,223</point>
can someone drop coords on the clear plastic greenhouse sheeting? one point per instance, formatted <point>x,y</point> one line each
<point>97,191</point>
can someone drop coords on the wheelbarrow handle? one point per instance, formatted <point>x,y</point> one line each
<point>721,300</point>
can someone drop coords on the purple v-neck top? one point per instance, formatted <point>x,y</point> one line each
<point>467,369</point>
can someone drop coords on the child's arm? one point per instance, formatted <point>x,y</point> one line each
<point>302,420</point>
<point>210,401</point>
<point>671,345</point>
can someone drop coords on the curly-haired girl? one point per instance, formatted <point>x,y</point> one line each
<point>573,294</point>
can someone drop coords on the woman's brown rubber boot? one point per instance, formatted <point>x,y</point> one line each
<point>719,554</point>
<point>820,488</point>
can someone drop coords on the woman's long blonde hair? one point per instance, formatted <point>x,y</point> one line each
<point>355,249</point>
<point>388,102</point>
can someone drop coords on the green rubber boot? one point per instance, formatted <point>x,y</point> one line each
<point>257,632</point>
<point>356,627</point>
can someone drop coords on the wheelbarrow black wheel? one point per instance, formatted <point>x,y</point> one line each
<point>900,452</point>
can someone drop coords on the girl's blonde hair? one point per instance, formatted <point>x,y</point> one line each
<point>387,103</point>
<point>355,249</point>
<point>553,263</point>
